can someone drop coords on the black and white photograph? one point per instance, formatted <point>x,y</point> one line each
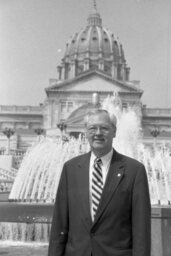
<point>85,127</point>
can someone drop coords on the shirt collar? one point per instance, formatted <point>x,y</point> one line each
<point>105,159</point>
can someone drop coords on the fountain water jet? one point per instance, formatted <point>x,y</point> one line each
<point>39,174</point>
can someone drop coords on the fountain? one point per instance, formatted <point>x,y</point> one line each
<point>43,163</point>
<point>37,180</point>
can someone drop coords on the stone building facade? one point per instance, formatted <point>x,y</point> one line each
<point>94,62</point>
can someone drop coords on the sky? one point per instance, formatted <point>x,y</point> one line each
<point>34,33</point>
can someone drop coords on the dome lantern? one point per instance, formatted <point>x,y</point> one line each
<point>94,18</point>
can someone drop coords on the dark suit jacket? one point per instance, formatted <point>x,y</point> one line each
<point>122,224</point>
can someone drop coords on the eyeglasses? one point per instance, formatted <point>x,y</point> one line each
<point>99,129</point>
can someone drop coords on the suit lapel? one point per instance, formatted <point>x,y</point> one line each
<point>115,175</point>
<point>83,179</point>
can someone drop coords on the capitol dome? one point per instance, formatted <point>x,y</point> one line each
<point>94,48</point>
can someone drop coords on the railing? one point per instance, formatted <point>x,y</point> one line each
<point>17,159</point>
<point>156,112</point>
<point>8,175</point>
<point>13,152</point>
<point>18,156</point>
<point>5,186</point>
<point>20,109</point>
<point>17,152</point>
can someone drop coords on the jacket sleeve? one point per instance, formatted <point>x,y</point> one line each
<point>141,215</point>
<point>59,228</point>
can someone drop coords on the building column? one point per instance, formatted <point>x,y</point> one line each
<point>101,64</point>
<point>127,73</point>
<point>73,69</point>
<point>59,69</point>
<point>87,61</point>
<point>86,64</point>
<point>114,70</point>
<point>62,71</point>
<point>119,72</point>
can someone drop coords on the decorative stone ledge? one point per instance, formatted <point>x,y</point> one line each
<point>4,109</point>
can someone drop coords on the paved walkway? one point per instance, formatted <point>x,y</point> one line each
<point>20,249</point>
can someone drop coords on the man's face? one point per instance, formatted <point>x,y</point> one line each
<point>100,133</point>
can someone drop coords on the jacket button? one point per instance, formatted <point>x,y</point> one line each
<point>92,234</point>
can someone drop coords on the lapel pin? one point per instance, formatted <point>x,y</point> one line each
<point>119,174</point>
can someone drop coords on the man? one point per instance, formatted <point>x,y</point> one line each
<point>102,206</point>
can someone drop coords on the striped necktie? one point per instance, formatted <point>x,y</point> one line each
<point>97,185</point>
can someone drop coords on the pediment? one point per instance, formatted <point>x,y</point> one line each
<point>94,82</point>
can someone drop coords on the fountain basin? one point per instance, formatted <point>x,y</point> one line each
<point>26,212</point>
<point>35,219</point>
<point>25,222</point>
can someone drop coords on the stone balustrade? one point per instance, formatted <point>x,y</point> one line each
<point>8,174</point>
<point>4,109</point>
<point>165,112</point>
<point>5,185</point>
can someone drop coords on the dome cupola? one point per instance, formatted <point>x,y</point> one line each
<point>94,48</point>
<point>94,18</point>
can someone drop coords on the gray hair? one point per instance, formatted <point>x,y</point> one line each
<point>93,112</point>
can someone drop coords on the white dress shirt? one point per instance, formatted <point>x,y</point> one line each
<point>105,168</point>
